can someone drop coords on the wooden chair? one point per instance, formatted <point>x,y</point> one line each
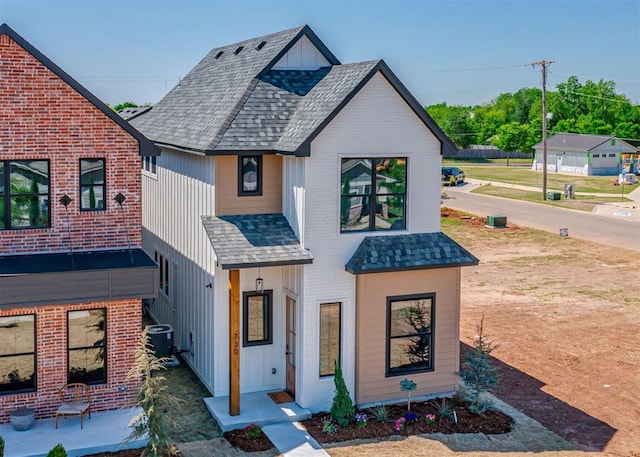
<point>76,401</point>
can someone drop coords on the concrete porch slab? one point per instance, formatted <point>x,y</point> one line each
<point>255,408</point>
<point>104,432</point>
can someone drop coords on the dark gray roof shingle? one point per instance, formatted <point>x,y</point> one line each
<point>419,251</point>
<point>254,240</point>
<point>231,102</point>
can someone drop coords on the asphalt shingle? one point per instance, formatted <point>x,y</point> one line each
<point>419,251</point>
<point>254,240</point>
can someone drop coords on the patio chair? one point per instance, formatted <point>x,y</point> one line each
<point>76,401</point>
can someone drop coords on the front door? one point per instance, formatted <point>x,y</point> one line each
<point>291,346</point>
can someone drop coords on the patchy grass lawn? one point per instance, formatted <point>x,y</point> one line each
<point>581,202</point>
<point>555,181</point>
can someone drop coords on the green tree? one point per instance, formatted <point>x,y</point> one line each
<point>121,106</point>
<point>456,121</point>
<point>478,372</point>
<point>343,411</point>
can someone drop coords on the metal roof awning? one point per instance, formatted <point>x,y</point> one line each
<point>75,277</point>
<point>254,240</point>
<point>419,251</point>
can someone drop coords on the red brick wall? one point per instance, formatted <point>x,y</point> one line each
<point>124,323</point>
<point>41,117</point>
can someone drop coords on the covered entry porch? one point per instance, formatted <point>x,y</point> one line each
<point>255,311</point>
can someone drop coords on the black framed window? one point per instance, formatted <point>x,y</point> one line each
<point>17,353</point>
<point>163,263</point>
<point>92,184</point>
<point>24,194</point>
<point>373,194</point>
<point>257,322</point>
<point>87,346</point>
<point>410,324</point>
<point>249,175</point>
<point>330,331</point>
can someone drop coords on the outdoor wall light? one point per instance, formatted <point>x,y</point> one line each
<point>120,199</point>
<point>259,285</point>
<point>65,200</point>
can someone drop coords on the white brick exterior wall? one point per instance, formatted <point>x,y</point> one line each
<point>375,123</point>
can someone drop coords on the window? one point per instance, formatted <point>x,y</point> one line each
<point>410,323</point>
<point>163,263</point>
<point>92,184</point>
<point>86,346</point>
<point>249,175</point>
<point>149,164</point>
<point>596,155</point>
<point>329,337</point>
<point>612,155</point>
<point>17,353</point>
<point>24,194</point>
<point>258,314</point>
<point>373,194</point>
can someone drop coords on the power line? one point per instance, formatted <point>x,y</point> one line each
<point>598,98</point>
<point>459,70</point>
<point>599,77</point>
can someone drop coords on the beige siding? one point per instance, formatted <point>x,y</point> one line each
<point>227,200</point>
<point>372,291</point>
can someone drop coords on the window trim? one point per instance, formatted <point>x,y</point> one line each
<point>103,185</point>
<point>339,303</point>
<point>34,353</point>
<point>259,171</point>
<point>403,372</point>
<point>372,194</point>
<point>105,346</point>
<point>5,177</point>
<point>268,315</point>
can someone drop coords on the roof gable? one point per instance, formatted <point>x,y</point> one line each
<point>146,147</point>
<point>238,99</point>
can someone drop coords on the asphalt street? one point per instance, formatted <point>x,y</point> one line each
<point>617,225</point>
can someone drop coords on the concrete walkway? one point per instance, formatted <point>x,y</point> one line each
<point>293,440</point>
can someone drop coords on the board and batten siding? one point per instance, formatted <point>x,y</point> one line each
<point>227,200</point>
<point>173,201</point>
<point>293,194</point>
<point>303,54</point>
<point>375,123</point>
<point>372,290</point>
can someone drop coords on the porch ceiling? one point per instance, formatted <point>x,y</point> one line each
<point>254,240</point>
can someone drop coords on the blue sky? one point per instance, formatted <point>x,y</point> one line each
<point>459,52</point>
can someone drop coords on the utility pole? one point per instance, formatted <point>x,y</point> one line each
<point>543,65</point>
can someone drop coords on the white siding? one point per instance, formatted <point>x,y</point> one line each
<point>303,54</point>
<point>376,123</point>
<point>172,205</point>
<point>293,194</point>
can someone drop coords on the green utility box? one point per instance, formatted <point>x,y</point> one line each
<point>553,195</point>
<point>496,221</point>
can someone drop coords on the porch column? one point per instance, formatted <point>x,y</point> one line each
<point>234,342</point>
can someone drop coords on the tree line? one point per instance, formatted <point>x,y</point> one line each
<point>513,121</point>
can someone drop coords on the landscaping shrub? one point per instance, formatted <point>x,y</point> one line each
<point>57,451</point>
<point>343,410</point>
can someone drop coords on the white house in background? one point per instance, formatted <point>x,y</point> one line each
<point>295,216</point>
<point>589,155</point>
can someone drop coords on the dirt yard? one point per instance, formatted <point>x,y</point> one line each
<point>566,313</point>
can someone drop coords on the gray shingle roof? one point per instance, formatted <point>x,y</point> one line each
<point>254,240</point>
<point>577,142</point>
<point>235,101</point>
<point>419,251</point>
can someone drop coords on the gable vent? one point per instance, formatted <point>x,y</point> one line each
<point>219,54</point>
<point>238,49</point>
<point>260,45</point>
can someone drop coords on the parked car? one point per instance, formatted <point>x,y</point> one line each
<point>452,176</point>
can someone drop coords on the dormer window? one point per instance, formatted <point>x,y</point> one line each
<point>238,50</point>
<point>249,176</point>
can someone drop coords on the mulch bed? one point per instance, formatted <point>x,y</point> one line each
<point>490,422</point>
<point>238,438</point>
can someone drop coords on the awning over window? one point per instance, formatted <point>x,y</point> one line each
<point>420,251</point>
<point>64,277</point>
<point>254,240</point>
